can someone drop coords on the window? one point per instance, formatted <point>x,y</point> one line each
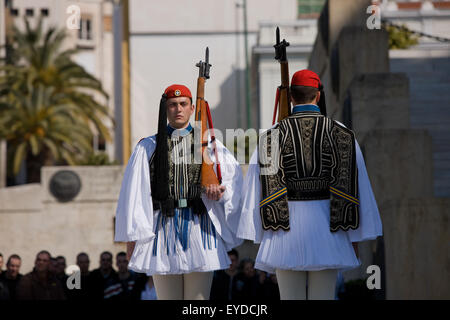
<point>29,12</point>
<point>101,144</point>
<point>85,31</point>
<point>14,12</point>
<point>88,30</point>
<point>310,6</point>
<point>44,12</point>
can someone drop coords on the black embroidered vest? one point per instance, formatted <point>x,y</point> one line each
<point>184,177</point>
<point>316,160</point>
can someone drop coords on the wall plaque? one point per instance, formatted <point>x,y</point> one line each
<point>65,185</point>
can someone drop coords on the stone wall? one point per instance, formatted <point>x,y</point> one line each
<point>378,100</point>
<point>416,238</point>
<point>31,219</point>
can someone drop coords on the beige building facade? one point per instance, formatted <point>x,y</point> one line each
<point>89,26</point>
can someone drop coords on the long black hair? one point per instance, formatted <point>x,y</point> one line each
<point>322,105</point>
<point>161,193</point>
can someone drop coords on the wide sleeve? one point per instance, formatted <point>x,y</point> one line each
<point>134,214</point>
<point>250,226</point>
<point>370,225</point>
<point>224,213</point>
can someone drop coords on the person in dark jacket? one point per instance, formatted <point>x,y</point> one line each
<point>12,276</point>
<point>223,287</point>
<point>102,278</point>
<point>84,291</point>
<point>269,283</point>
<point>127,285</point>
<point>4,292</point>
<point>248,286</point>
<point>40,284</point>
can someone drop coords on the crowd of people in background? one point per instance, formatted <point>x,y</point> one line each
<point>241,281</point>
<point>48,280</point>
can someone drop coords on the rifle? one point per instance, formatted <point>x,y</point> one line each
<point>282,99</point>
<point>203,115</point>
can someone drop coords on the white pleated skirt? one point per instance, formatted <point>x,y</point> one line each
<point>184,243</point>
<point>308,245</point>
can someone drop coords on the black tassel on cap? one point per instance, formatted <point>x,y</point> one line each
<point>161,192</point>
<point>322,105</point>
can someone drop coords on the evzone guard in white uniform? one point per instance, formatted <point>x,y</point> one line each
<point>308,197</point>
<point>177,231</point>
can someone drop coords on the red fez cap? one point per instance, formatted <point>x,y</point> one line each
<point>306,78</point>
<point>177,90</point>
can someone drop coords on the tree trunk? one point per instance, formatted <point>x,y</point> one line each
<point>35,163</point>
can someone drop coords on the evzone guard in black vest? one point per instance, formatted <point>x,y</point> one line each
<point>177,230</point>
<point>308,197</point>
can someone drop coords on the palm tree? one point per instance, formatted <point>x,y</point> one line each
<point>47,109</point>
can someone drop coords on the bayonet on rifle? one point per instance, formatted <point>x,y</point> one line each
<point>283,97</point>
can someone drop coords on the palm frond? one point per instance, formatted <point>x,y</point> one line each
<point>47,101</point>
<point>19,156</point>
